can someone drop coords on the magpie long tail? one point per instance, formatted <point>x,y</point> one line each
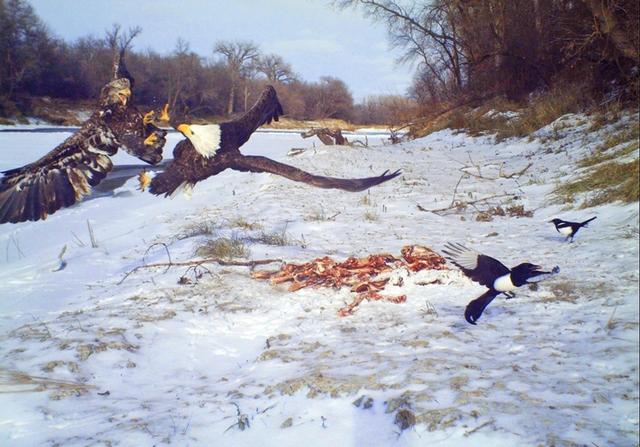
<point>475,308</point>
<point>582,224</point>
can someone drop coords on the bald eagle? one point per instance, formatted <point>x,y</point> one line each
<point>211,148</point>
<point>67,173</point>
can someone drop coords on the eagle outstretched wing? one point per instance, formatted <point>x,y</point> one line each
<point>253,163</point>
<point>238,131</point>
<point>210,149</point>
<point>60,178</point>
<point>67,173</point>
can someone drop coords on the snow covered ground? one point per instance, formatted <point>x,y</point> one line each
<point>228,360</point>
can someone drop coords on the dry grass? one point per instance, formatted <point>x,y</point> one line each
<point>223,248</point>
<point>532,116</point>
<point>194,229</point>
<point>366,200</point>
<point>240,222</point>
<point>608,182</point>
<point>317,215</point>
<point>605,152</point>
<point>15,382</point>
<point>542,111</point>
<point>370,216</point>
<point>276,238</point>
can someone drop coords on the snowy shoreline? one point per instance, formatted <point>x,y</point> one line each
<point>228,360</point>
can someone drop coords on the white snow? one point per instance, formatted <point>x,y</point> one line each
<point>193,364</point>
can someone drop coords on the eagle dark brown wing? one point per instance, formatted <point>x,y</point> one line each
<point>60,178</point>
<point>189,166</point>
<point>237,132</point>
<point>67,173</point>
<point>253,163</point>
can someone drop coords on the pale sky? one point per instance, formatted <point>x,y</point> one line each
<point>313,36</point>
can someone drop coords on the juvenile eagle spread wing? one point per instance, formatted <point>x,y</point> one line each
<point>212,148</point>
<point>67,173</point>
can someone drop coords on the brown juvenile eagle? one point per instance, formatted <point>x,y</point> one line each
<point>211,148</point>
<point>67,173</point>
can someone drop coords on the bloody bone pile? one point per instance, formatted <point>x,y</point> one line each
<point>360,274</point>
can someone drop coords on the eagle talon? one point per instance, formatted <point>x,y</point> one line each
<point>151,139</point>
<point>144,179</point>
<point>148,117</point>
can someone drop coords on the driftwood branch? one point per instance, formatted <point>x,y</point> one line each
<point>330,137</point>
<point>455,190</point>
<point>501,174</point>
<point>465,204</point>
<point>199,262</point>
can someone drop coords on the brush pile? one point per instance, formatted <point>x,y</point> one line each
<point>362,275</point>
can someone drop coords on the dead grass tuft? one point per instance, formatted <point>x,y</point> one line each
<point>370,216</point>
<point>240,222</point>
<point>194,229</point>
<point>280,239</point>
<point>223,248</point>
<point>606,183</point>
<point>16,382</point>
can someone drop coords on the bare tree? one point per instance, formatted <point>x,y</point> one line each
<point>117,40</point>
<point>275,69</point>
<point>426,33</point>
<point>239,57</point>
<point>331,98</point>
<point>21,34</point>
<point>179,72</point>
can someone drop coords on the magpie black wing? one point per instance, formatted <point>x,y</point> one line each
<point>565,224</point>
<point>480,268</point>
<point>475,308</point>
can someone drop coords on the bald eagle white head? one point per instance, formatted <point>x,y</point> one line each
<point>204,137</point>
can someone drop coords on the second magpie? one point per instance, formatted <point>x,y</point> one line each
<point>569,229</point>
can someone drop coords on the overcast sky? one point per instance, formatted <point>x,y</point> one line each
<point>314,37</point>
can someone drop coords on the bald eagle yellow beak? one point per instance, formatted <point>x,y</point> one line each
<point>185,130</point>
<point>124,95</point>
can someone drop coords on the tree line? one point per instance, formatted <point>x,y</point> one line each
<point>466,49</point>
<point>37,63</point>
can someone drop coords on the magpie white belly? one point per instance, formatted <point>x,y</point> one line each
<point>504,284</point>
<point>565,231</point>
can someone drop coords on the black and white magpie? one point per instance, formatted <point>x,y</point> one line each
<point>569,229</point>
<point>493,274</point>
